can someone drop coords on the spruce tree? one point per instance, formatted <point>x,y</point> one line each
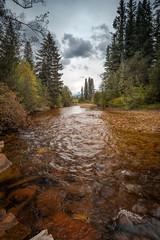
<point>119,26</point>
<point>90,88</point>
<point>86,89</point>
<point>48,68</point>
<point>130,30</point>
<point>28,54</point>
<point>82,93</point>
<point>157,26</point>
<point>144,28</point>
<point>9,54</point>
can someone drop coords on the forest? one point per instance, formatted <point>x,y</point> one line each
<point>28,81</point>
<point>131,77</point>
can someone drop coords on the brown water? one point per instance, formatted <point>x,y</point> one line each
<point>107,180</point>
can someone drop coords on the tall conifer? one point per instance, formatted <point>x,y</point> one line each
<point>49,68</point>
<point>28,54</point>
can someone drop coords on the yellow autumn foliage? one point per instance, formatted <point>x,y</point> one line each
<point>26,86</point>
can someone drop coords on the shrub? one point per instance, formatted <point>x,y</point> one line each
<point>12,113</point>
<point>116,102</point>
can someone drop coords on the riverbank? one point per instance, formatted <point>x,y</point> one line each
<point>145,121</point>
<point>84,173</point>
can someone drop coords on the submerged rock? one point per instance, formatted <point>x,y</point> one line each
<point>132,226</point>
<point>44,150</point>
<point>12,172</point>
<point>18,232</point>
<point>49,202</point>
<point>63,227</point>
<point>4,163</point>
<point>1,145</point>
<point>22,197</point>
<point>43,235</point>
<point>80,210</point>
<point>7,221</point>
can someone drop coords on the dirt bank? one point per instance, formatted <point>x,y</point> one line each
<point>145,121</point>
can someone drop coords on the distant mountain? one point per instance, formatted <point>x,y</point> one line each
<point>77,95</point>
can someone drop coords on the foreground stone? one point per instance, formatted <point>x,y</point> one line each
<point>1,145</point>
<point>12,172</point>
<point>7,221</point>
<point>4,163</point>
<point>63,227</point>
<point>132,226</point>
<point>49,202</point>
<point>43,235</point>
<point>18,232</point>
<point>22,197</point>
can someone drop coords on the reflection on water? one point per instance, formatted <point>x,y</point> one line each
<point>99,177</point>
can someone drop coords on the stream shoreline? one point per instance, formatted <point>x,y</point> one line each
<point>132,130</point>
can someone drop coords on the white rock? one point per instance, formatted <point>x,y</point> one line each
<point>43,235</point>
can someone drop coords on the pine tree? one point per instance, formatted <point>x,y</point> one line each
<point>28,54</point>
<point>90,88</point>
<point>130,30</point>
<point>82,93</point>
<point>144,28</point>
<point>86,89</point>
<point>157,26</point>
<point>119,26</point>
<point>114,55</point>
<point>48,68</point>
<point>9,54</point>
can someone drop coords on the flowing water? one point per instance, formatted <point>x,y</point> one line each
<point>101,179</point>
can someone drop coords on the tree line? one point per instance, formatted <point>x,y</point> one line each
<point>87,92</point>
<point>28,82</point>
<point>131,71</point>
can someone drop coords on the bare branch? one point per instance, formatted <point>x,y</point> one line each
<point>28,3</point>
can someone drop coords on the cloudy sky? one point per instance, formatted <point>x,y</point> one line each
<point>82,31</point>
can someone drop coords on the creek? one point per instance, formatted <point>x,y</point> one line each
<point>110,186</point>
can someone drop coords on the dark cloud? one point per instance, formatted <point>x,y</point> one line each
<point>76,47</point>
<point>101,38</point>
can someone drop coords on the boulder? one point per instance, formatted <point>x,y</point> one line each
<point>80,210</point>
<point>133,226</point>
<point>11,172</point>
<point>1,145</point>
<point>43,235</point>
<point>4,163</point>
<point>7,221</point>
<point>49,202</point>
<point>62,226</point>
<point>22,197</point>
<point>17,232</point>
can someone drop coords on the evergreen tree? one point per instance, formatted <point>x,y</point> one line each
<point>90,88</point>
<point>48,68</point>
<point>66,97</point>
<point>157,26</point>
<point>28,54</point>
<point>130,30</point>
<point>9,55</point>
<point>119,26</point>
<point>86,89</point>
<point>114,59</point>
<point>144,28</point>
<point>82,93</point>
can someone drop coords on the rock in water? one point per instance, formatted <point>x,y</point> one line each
<point>7,221</point>
<point>43,235</point>
<point>4,163</point>
<point>1,145</point>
